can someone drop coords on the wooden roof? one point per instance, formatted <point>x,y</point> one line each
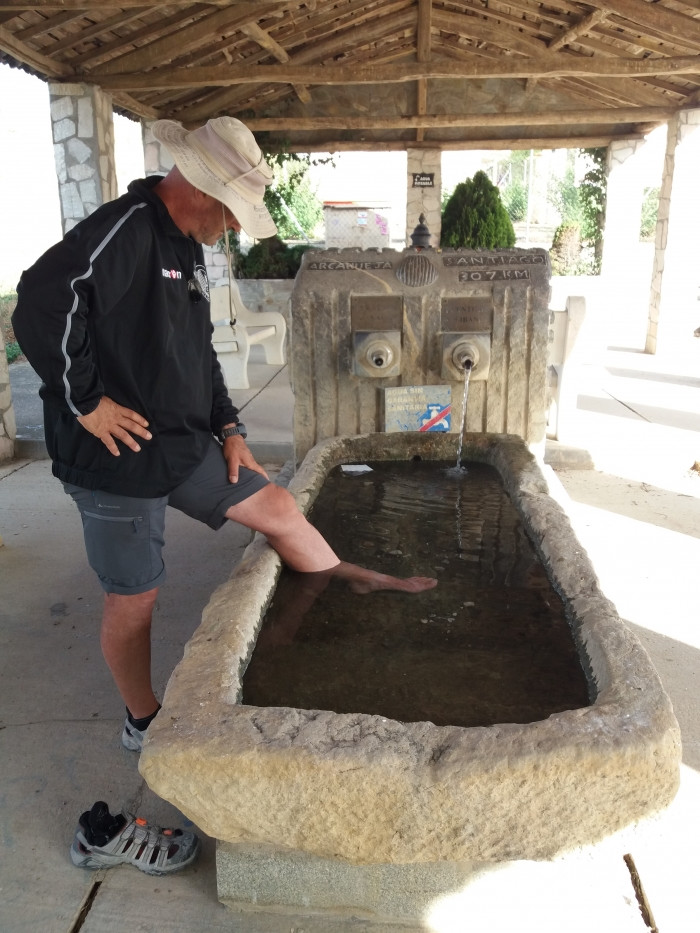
<point>311,75</point>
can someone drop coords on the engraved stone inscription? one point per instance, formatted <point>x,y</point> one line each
<point>493,275</point>
<point>519,259</point>
<point>340,265</point>
<point>467,315</point>
<point>376,312</point>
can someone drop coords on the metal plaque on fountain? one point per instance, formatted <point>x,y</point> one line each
<point>376,312</point>
<point>467,315</point>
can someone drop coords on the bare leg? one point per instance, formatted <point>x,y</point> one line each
<point>362,580</point>
<point>274,513</point>
<point>126,646</point>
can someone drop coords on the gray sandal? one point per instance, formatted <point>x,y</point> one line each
<point>152,850</point>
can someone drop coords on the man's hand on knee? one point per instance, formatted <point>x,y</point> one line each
<point>237,454</point>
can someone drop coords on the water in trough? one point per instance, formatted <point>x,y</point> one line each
<point>490,644</point>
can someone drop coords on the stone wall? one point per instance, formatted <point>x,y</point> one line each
<point>673,305</point>
<point>267,295</point>
<point>424,200</point>
<point>83,134</point>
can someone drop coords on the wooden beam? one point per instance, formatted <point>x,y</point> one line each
<point>553,66</point>
<point>133,106</point>
<point>177,43</point>
<point>500,35</point>
<point>449,121</point>
<point>584,25</point>
<point>140,36</point>
<point>421,104</point>
<point>37,5</point>
<point>46,25</point>
<point>423,37</point>
<point>459,145</point>
<point>97,29</point>
<point>41,63</point>
<point>265,41</point>
<point>423,53</point>
<point>651,17</point>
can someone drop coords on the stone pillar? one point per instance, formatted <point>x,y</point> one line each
<point>8,429</point>
<point>674,311</point>
<point>83,134</point>
<point>626,263</point>
<point>422,199</point>
<point>625,193</point>
<point>156,157</point>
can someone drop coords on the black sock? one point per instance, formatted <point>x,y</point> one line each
<point>98,824</point>
<point>141,724</point>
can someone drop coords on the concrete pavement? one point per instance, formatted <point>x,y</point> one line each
<point>637,513</point>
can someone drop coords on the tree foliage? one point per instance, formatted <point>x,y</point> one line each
<point>650,211</point>
<point>581,206</point>
<point>474,217</point>
<point>271,258</point>
<point>592,194</point>
<point>515,201</point>
<point>295,209</point>
<point>293,204</point>
<point>514,173</point>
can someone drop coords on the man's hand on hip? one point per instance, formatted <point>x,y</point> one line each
<point>111,422</point>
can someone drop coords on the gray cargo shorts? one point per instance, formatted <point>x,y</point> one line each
<point>124,536</point>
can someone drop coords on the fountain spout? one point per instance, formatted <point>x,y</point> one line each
<point>465,357</point>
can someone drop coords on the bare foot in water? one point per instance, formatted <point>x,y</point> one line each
<point>362,580</point>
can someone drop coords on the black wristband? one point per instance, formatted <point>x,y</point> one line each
<point>237,429</point>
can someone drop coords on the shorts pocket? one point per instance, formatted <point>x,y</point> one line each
<point>120,550</point>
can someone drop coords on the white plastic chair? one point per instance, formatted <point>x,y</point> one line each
<point>267,328</point>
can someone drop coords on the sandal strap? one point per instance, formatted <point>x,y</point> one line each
<point>144,843</point>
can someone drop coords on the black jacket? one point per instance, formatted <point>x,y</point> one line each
<point>108,311</point>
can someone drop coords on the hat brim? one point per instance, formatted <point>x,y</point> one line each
<point>255,219</point>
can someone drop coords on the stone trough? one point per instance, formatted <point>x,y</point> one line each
<point>360,790</point>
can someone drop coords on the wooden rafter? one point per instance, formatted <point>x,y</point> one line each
<point>176,42</point>
<point>47,24</point>
<point>20,5</point>
<point>447,121</point>
<point>551,67</point>
<point>581,28</point>
<point>98,29</point>
<point>652,17</point>
<point>265,41</point>
<point>480,142</point>
<point>423,53</point>
<point>28,56</point>
<point>142,36</point>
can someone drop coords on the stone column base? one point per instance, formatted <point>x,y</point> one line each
<point>268,878</point>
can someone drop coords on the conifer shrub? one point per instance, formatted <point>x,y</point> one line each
<point>474,217</point>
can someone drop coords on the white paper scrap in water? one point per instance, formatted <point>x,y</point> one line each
<point>355,468</point>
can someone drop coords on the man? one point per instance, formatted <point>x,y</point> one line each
<point>115,320</point>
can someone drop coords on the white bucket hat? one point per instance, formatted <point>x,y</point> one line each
<point>222,159</point>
